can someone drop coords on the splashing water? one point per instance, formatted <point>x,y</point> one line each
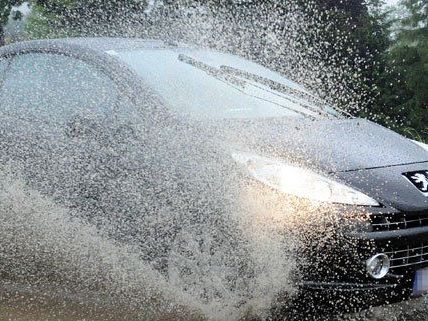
<point>155,250</point>
<point>42,246</point>
<point>133,248</point>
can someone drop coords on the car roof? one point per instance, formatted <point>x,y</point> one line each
<point>99,44</point>
<point>105,44</point>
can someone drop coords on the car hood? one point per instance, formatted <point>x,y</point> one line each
<point>327,145</point>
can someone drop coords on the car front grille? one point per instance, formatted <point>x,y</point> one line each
<point>398,221</point>
<point>409,256</point>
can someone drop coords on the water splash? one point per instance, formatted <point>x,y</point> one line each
<point>155,249</point>
<point>210,270</point>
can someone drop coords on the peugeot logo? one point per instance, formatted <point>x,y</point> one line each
<point>419,180</point>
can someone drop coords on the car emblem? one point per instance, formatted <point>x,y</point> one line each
<point>419,180</point>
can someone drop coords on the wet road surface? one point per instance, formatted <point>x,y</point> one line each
<point>19,307</point>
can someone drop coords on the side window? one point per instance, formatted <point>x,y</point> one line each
<point>56,88</point>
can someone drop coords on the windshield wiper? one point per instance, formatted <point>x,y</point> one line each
<point>319,106</point>
<point>227,77</point>
<point>212,71</point>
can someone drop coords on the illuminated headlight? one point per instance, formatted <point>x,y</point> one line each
<point>300,182</point>
<point>378,266</point>
<point>424,146</point>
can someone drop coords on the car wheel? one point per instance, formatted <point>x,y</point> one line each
<point>208,264</point>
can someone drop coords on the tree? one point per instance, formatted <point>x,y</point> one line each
<point>5,11</point>
<point>410,57</point>
<point>83,17</point>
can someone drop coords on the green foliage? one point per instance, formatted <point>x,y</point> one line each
<point>409,55</point>
<point>5,11</point>
<point>415,26</point>
<point>394,67</point>
<point>83,17</point>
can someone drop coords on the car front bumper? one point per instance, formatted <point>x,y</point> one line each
<point>338,282</point>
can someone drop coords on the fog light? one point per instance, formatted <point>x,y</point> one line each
<point>378,266</point>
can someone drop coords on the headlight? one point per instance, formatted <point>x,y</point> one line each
<point>424,146</point>
<point>301,182</point>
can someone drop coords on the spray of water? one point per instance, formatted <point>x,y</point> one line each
<point>165,231</point>
<point>287,36</point>
<point>177,238</point>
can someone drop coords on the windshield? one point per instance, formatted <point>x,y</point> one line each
<point>207,84</point>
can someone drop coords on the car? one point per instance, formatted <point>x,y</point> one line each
<point>159,144</point>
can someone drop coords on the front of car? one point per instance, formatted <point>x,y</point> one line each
<point>367,229</point>
<point>299,152</point>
